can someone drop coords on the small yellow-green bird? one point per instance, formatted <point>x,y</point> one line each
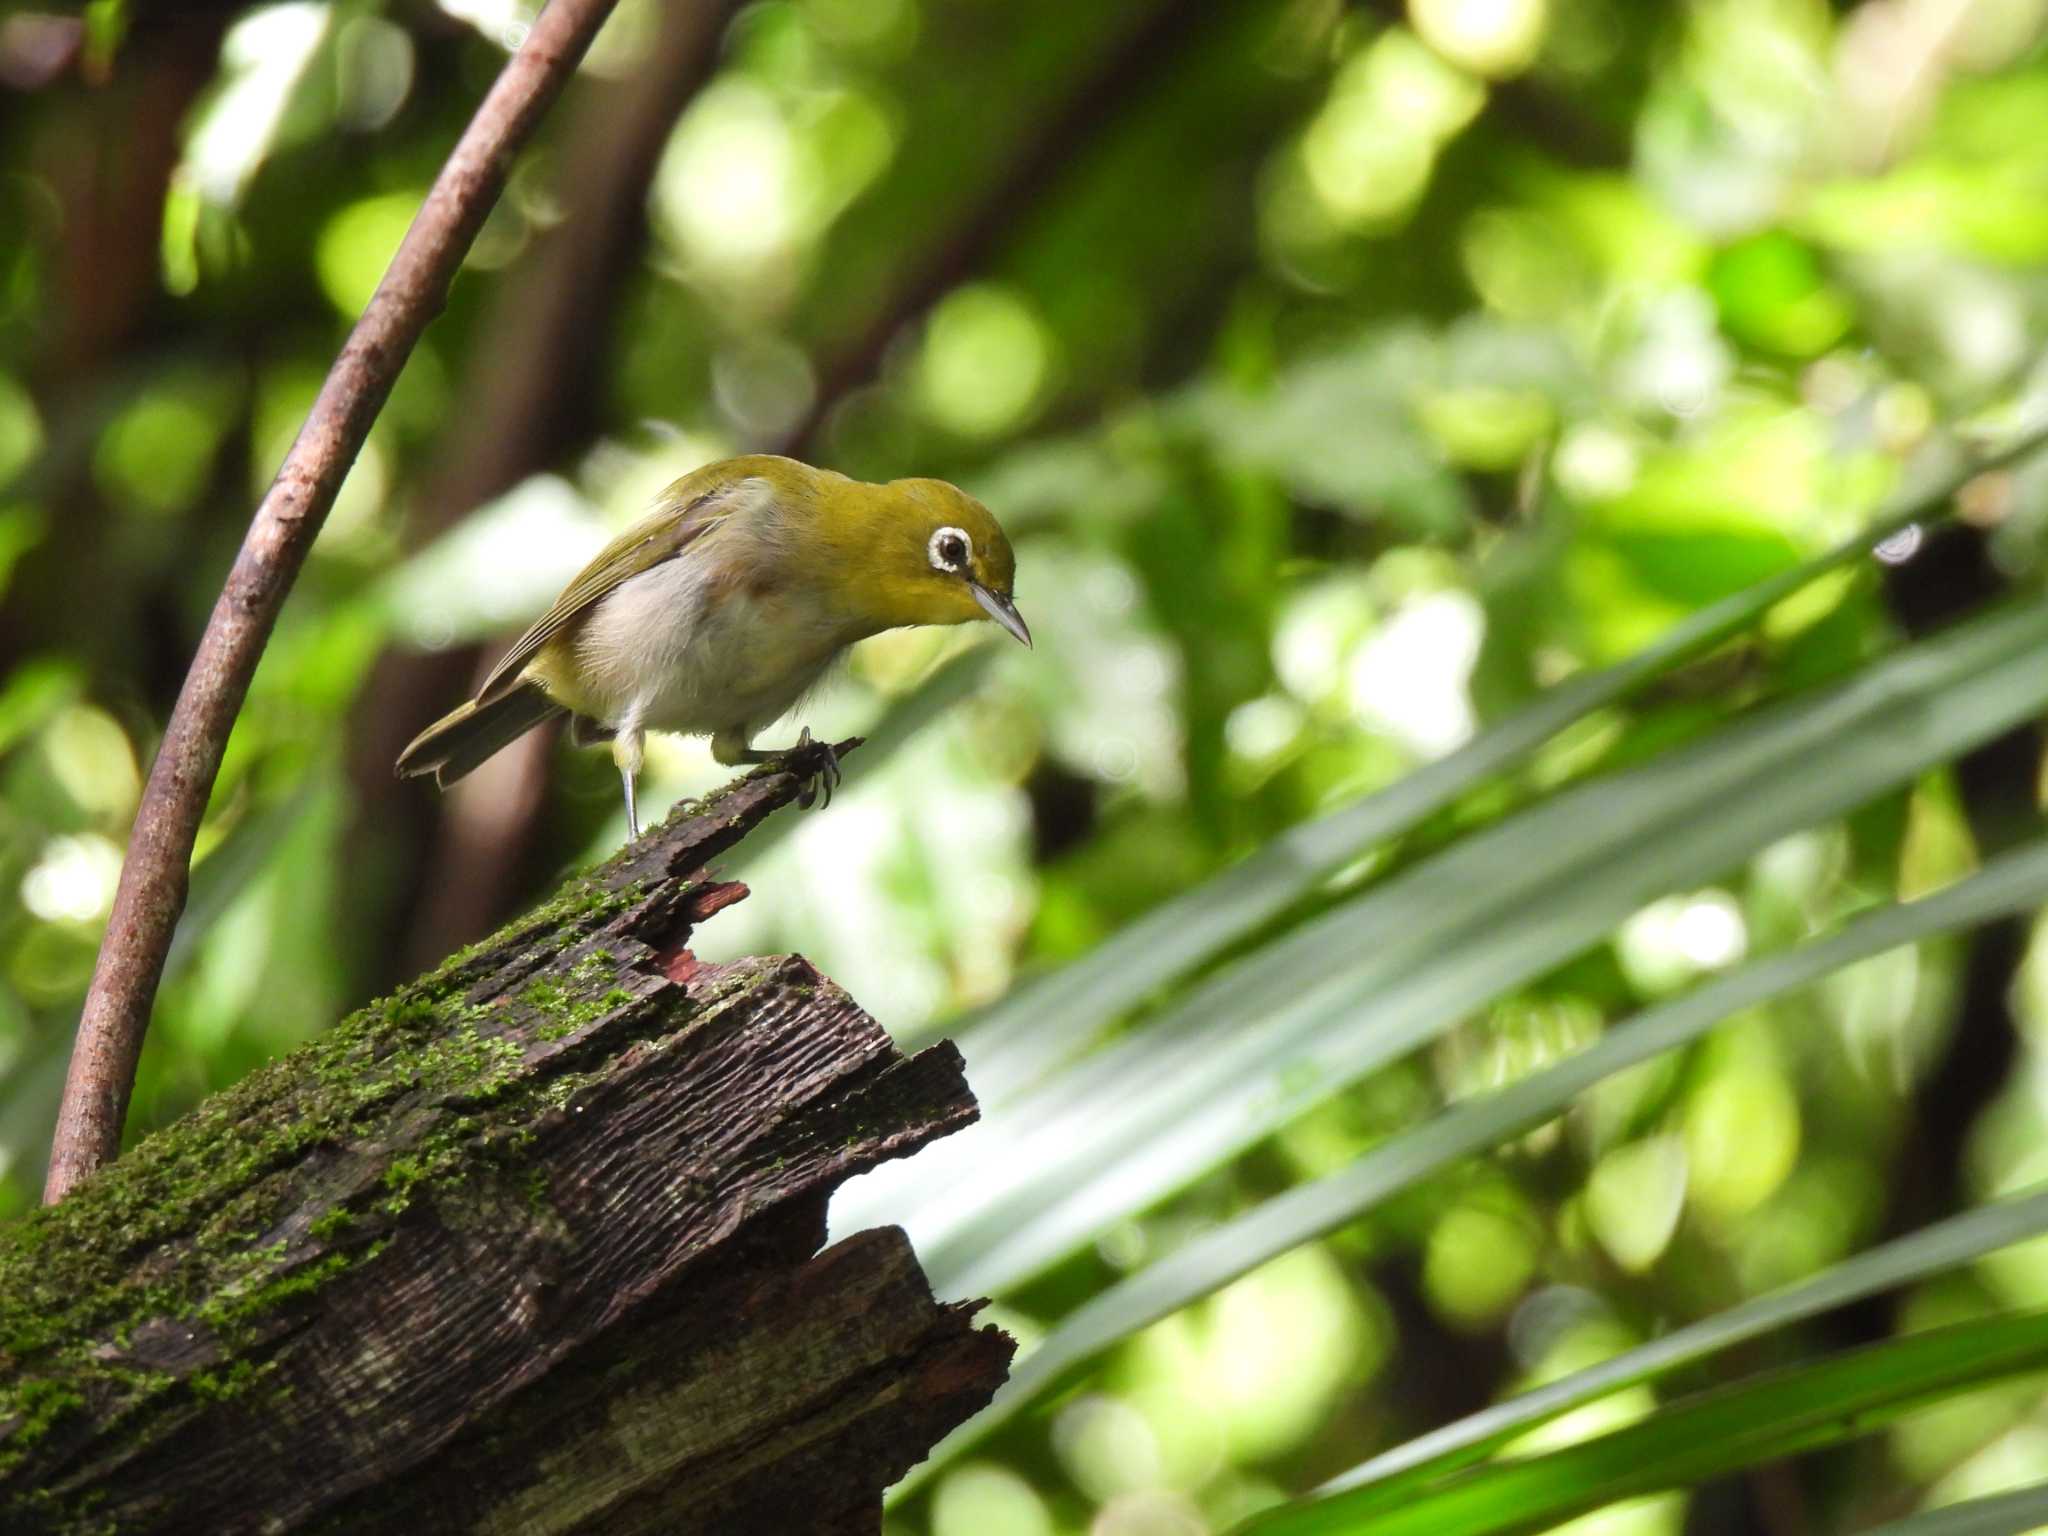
<point>715,613</point>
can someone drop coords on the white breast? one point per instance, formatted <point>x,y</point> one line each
<point>683,647</point>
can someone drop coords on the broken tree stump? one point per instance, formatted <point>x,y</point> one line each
<point>530,1246</point>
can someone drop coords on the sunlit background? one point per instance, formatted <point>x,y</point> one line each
<point>1345,373</point>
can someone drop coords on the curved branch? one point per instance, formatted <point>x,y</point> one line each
<point>153,884</point>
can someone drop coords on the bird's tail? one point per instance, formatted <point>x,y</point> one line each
<point>461,739</point>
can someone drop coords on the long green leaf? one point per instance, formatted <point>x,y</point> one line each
<point>1941,1246</point>
<point>2016,882</point>
<point>1777,1414</point>
<point>2003,1514</point>
<point>1016,1040</point>
<point>1375,977</point>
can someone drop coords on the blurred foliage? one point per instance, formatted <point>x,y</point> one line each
<point>1349,375</point>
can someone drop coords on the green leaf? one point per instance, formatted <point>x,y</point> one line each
<point>1776,1414</point>
<point>1941,1246</point>
<point>2014,883</point>
<point>2004,1514</point>
<point>1017,1040</point>
<point>1384,972</point>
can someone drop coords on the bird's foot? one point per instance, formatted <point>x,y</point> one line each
<point>816,764</point>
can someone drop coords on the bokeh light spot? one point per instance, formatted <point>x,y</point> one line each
<point>727,188</point>
<point>1669,942</point>
<point>74,879</point>
<point>1411,678</point>
<point>1488,37</point>
<point>1635,1197</point>
<point>1477,1263</point>
<point>1107,1446</point>
<point>262,60</point>
<point>981,1499</point>
<point>986,357</point>
<point>1741,1138</point>
<point>92,762</point>
<point>357,245</point>
<point>21,429</point>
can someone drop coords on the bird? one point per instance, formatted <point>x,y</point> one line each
<point>719,610</point>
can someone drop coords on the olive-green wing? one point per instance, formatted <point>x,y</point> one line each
<point>661,535</point>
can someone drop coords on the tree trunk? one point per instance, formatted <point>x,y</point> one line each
<point>531,1246</point>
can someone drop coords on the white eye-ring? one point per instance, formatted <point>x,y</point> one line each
<point>949,549</point>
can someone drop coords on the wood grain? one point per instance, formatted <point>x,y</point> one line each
<point>530,1246</point>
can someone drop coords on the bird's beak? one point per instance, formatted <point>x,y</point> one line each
<point>1002,610</point>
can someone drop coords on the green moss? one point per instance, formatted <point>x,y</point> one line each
<point>334,1224</point>
<point>567,1004</point>
<point>537,1191</point>
<point>223,1312</point>
<point>592,968</point>
<point>544,993</point>
<point>229,1229</point>
<point>236,1380</point>
<point>36,1407</point>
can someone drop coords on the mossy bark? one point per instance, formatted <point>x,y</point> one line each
<point>530,1246</point>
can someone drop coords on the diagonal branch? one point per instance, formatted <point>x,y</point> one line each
<point>153,884</point>
<point>531,1245</point>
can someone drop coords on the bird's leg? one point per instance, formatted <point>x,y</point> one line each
<point>814,760</point>
<point>824,777</point>
<point>627,752</point>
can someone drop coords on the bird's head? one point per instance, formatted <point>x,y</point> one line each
<point>948,558</point>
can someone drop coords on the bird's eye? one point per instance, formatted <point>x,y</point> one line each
<point>949,550</point>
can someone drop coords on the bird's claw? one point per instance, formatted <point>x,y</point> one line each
<point>818,764</point>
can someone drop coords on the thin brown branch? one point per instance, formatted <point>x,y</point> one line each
<point>153,884</point>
